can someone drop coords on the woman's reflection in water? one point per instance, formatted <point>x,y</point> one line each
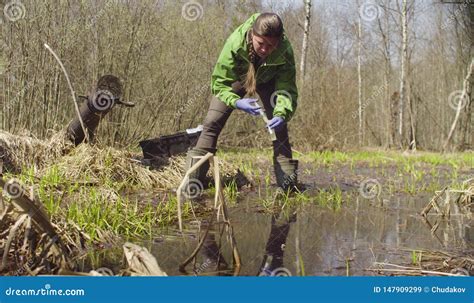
<point>272,263</point>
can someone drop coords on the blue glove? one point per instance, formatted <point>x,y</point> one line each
<point>249,106</point>
<point>276,123</point>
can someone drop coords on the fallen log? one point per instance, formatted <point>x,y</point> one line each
<point>141,262</point>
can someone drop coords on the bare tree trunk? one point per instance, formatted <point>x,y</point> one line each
<point>389,126</point>
<point>403,70</point>
<point>394,101</point>
<point>412,143</point>
<point>467,132</point>
<point>359,77</point>
<point>385,35</point>
<point>465,95</point>
<point>304,50</point>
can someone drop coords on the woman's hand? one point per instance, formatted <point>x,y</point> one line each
<point>249,106</point>
<point>276,123</point>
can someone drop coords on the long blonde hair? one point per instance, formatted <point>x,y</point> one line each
<point>267,25</point>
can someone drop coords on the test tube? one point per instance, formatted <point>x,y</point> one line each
<point>262,113</point>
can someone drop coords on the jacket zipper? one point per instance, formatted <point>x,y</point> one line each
<point>266,64</point>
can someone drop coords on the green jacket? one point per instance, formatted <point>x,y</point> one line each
<point>233,63</point>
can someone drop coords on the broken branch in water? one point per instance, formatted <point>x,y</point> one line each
<point>182,266</point>
<point>219,205</point>
<point>440,263</point>
<point>409,271</point>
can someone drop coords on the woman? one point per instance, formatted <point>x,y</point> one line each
<point>256,58</point>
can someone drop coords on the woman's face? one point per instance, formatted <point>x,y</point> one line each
<point>264,46</point>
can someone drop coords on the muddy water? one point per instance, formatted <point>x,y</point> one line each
<point>316,240</point>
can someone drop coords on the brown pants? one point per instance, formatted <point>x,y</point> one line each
<point>219,112</point>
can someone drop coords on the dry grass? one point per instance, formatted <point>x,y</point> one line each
<point>91,163</point>
<point>437,263</point>
<point>467,198</point>
<point>21,151</point>
<point>28,251</point>
<point>102,165</point>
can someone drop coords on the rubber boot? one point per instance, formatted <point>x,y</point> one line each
<point>286,172</point>
<point>197,179</point>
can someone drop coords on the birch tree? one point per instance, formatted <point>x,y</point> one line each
<point>404,54</point>
<point>304,49</point>
<point>460,102</point>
